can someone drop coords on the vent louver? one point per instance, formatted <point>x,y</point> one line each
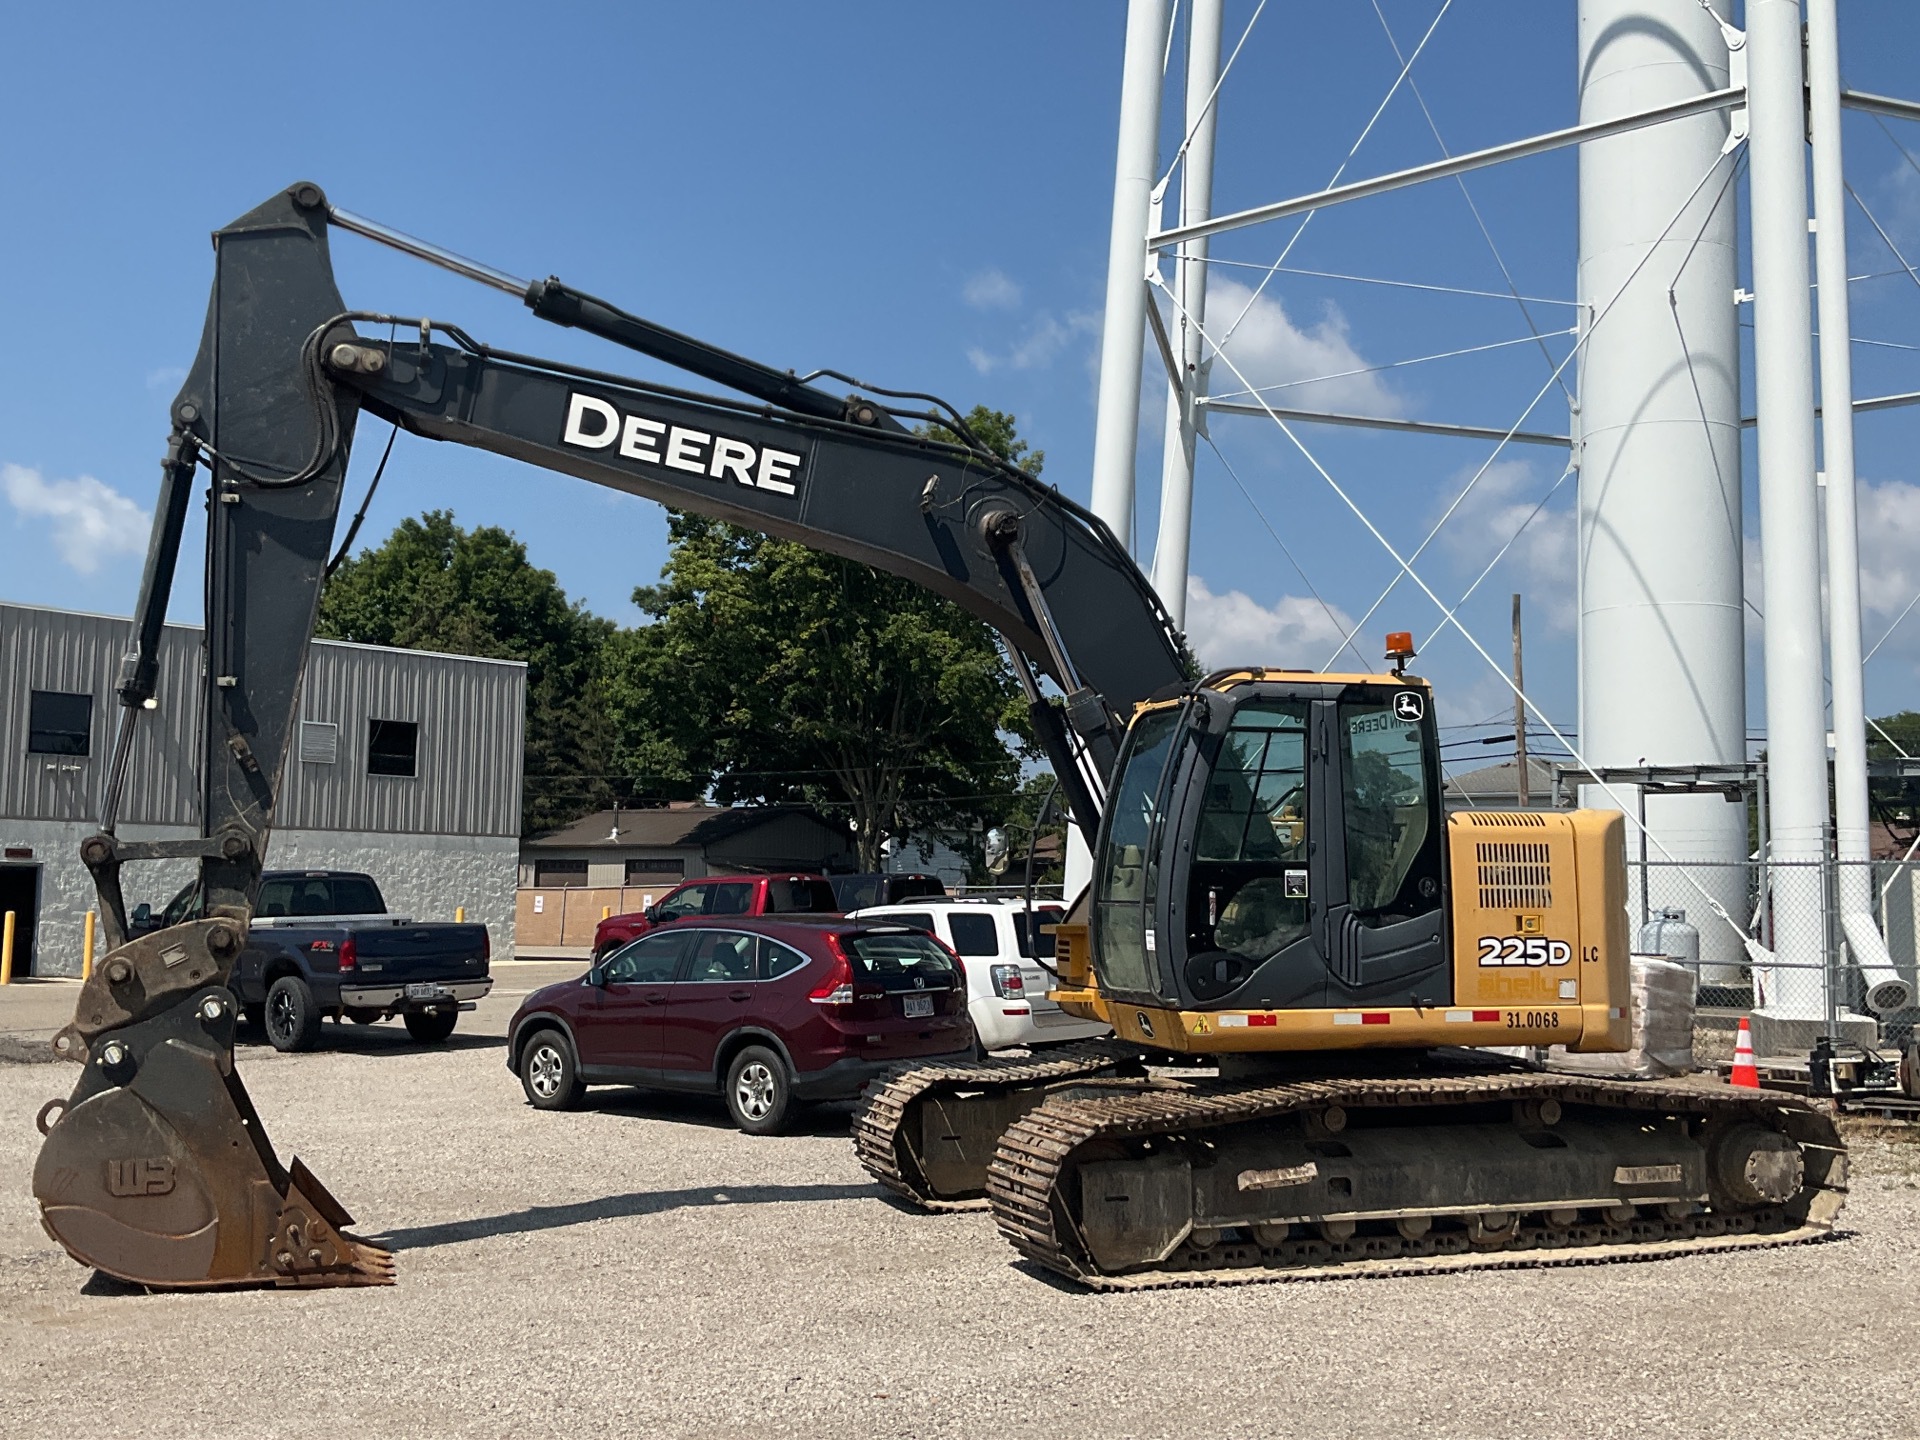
<point>1514,875</point>
<point>319,742</point>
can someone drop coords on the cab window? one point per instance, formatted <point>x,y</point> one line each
<point>1125,871</point>
<point>1248,883</point>
<point>1388,795</point>
<point>733,899</point>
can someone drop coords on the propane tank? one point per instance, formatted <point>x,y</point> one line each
<point>1668,934</point>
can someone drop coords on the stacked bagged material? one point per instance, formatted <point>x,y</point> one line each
<point>1662,1019</point>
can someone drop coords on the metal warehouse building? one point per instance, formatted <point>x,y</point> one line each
<point>407,767</point>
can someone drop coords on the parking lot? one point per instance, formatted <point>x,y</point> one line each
<point>640,1267</point>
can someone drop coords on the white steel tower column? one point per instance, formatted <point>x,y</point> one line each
<point>1173,540</point>
<point>1886,990</point>
<point>1662,670</point>
<point>1117,423</point>
<point>1789,511</point>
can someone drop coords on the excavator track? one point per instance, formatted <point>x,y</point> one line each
<point>1040,1208</point>
<point>890,1126</point>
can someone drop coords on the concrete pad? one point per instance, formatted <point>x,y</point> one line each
<point>1773,1035</point>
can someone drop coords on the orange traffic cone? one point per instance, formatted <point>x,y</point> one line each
<point>1745,1073</point>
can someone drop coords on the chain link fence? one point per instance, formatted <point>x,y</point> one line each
<point>1788,937</point>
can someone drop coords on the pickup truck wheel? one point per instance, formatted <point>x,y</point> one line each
<point>292,1019</point>
<point>548,1073</point>
<point>758,1091</point>
<point>430,1027</point>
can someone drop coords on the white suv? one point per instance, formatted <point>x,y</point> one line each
<point>1006,983</point>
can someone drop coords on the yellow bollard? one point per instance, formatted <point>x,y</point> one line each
<point>6,950</point>
<point>606,912</point>
<point>460,915</point>
<point>86,949</point>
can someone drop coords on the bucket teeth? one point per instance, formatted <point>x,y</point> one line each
<point>309,1249</point>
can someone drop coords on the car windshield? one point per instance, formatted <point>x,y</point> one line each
<point>902,962</point>
<point>798,895</point>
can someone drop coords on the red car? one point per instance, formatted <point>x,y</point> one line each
<point>769,1013</point>
<point>720,895</point>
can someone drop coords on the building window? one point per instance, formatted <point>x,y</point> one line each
<point>320,742</point>
<point>393,747</point>
<point>559,874</point>
<point>648,872</point>
<point>59,723</point>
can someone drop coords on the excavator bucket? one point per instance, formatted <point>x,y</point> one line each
<point>157,1170</point>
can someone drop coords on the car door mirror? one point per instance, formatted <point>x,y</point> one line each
<point>654,916</point>
<point>142,913</point>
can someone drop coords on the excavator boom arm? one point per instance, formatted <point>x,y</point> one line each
<point>270,405</point>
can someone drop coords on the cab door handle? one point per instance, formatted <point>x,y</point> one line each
<point>739,995</point>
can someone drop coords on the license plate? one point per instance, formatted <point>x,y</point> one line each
<point>428,992</point>
<point>917,1006</point>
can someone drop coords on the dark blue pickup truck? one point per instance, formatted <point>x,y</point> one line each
<point>322,944</point>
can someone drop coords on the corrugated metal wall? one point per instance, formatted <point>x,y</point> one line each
<point>80,654</point>
<point>471,715</point>
<point>468,773</point>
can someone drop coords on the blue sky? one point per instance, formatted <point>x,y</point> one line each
<point>915,194</point>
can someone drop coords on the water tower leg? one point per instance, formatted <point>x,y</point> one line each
<point>1172,541</point>
<point>1789,517</point>
<point>1661,630</point>
<point>1123,341</point>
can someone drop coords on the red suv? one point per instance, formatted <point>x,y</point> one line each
<point>732,895</point>
<point>767,1012</point>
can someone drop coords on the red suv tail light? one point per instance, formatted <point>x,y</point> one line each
<point>1009,983</point>
<point>349,954</point>
<point>836,986</point>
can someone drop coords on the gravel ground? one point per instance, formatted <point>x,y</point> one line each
<point>642,1268</point>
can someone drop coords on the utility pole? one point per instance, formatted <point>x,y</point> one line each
<point>1524,791</point>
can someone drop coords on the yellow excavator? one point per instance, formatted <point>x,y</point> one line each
<point>1277,888</point>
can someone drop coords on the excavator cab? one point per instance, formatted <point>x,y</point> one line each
<point>1275,841</point>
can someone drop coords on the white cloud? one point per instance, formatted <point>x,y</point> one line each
<point>166,377</point>
<point>1270,350</point>
<point>1889,522</point>
<point>1047,337</point>
<point>1541,563</point>
<point>991,289</point>
<point>1235,629</point>
<point>91,522</point>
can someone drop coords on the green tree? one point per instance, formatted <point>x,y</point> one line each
<point>435,586</point>
<point>784,673</point>
<point>1895,798</point>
